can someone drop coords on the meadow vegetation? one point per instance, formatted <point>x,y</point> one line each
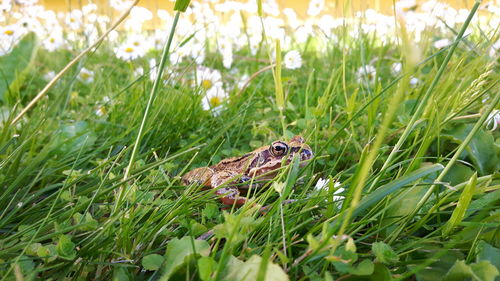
<point>401,112</point>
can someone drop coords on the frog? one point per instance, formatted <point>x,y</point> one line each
<point>233,177</point>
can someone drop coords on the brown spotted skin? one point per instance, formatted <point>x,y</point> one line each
<point>227,176</point>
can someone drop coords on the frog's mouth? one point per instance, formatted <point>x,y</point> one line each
<point>266,171</point>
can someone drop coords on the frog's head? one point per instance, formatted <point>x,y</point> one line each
<point>268,159</point>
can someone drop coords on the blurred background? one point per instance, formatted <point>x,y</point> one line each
<point>332,7</point>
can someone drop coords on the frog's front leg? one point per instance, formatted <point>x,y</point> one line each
<point>200,176</point>
<point>230,195</point>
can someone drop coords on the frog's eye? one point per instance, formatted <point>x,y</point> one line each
<point>278,148</point>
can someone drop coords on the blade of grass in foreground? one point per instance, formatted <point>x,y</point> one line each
<point>152,95</point>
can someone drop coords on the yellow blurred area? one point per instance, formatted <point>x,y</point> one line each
<point>332,7</point>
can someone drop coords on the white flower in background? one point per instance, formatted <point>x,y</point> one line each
<point>242,81</point>
<point>315,7</point>
<point>366,74</point>
<point>303,33</point>
<point>74,19</point>
<point>179,54</point>
<point>226,49</point>
<point>214,98</point>
<point>128,52</point>
<point>414,82</point>
<point>439,44</point>
<point>197,52</point>
<point>291,17</point>
<point>100,111</point>
<point>207,78</point>
<point>293,60</point>
<point>493,120</point>
<point>495,49</point>
<point>55,41</point>
<point>49,76</point>
<point>396,68</point>
<point>26,2</point>
<point>86,76</point>
<point>135,47</point>
<point>323,184</point>
<point>138,72</point>
<point>152,69</point>
<point>227,58</point>
<point>120,5</point>
<point>12,33</point>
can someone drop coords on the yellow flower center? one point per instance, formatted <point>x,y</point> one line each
<point>52,40</point>
<point>136,43</point>
<point>129,50</point>
<point>8,32</point>
<point>85,75</point>
<point>206,84</point>
<point>215,101</point>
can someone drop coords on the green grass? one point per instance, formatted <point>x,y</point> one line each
<point>419,168</point>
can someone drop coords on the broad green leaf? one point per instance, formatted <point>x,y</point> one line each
<point>481,271</point>
<point>365,267</point>
<point>462,205</point>
<point>483,201</point>
<point>26,265</point>
<point>381,273</point>
<point>249,270</point>
<point>65,248</point>
<point>206,266</point>
<point>33,249</point>
<point>481,150</point>
<point>179,251</point>
<point>121,273</point>
<point>72,137</point>
<point>487,252</point>
<point>459,271</point>
<point>457,174</point>
<point>210,211</point>
<point>484,271</point>
<point>16,65</point>
<point>384,253</point>
<point>343,260</point>
<point>152,262</point>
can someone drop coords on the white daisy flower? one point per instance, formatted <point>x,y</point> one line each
<point>214,98</point>
<point>207,78</point>
<point>49,75</point>
<point>439,44</point>
<point>55,41</point>
<point>100,111</point>
<point>315,7</point>
<point>135,47</point>
<point>86,76</point>
<point>138,72</point>
<point>128,52</point>
<point>414,81</point>
<point>323,184</point>
<point>495,49</point>
<point>366,74</point>
<point>493,120</point>
<point>74,19</point>
<point>396,68</point>
<point>293,60</point>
